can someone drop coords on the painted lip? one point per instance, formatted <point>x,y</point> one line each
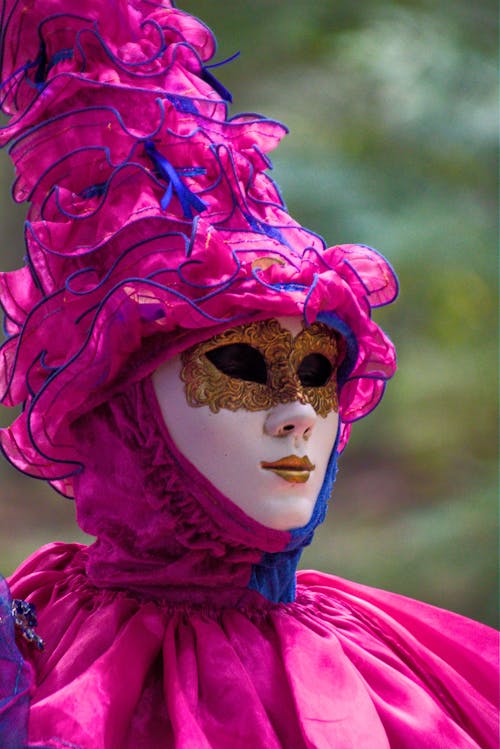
<point>291,468</point>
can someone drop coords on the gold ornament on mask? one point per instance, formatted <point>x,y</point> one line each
<point>283,354</point>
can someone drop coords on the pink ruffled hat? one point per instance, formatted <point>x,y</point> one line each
<point>153,222</point>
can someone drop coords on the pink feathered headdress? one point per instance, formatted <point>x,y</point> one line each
<point>153,223</point>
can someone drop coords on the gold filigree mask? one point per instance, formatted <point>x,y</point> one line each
<point>259,365</point>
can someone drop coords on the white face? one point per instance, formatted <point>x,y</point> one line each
<point>233,448</point>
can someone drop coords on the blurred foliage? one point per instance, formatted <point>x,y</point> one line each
<point>392,111</point>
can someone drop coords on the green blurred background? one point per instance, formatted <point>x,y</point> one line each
<point>392,112</point>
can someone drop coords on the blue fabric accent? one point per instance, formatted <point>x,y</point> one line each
<point>15,680</point>
<point>262,228</point>
<point>183,104</point>
<point>170,174</point>
<point>63,54</point>
<point>224,62</point>
<point>210,78</point>
<point>94,191</point>
<point>274,576</point>
<point>152,312</point>
<point>345,369</point>
<point>41,70</point>
<point>289,286</point>
<point>22,69</point>
<point>302,537</point>
<point>308,297</point>
<point>43,66</point>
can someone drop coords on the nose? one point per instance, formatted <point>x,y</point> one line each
<point>291,419</point>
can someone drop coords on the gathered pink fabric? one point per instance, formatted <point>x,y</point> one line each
<point>162,529</point>
<point>343,666</point>
<point>155,640</point>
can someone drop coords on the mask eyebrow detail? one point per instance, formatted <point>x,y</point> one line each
<point>314,370</point>
<point>239,360</point>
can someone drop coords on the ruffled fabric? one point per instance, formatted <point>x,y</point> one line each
<point>344,666</point>
<point>162,529</point>
<point>153,222</point>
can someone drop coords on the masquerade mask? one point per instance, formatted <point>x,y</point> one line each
<point>260,365</point>
<point>266,434</point>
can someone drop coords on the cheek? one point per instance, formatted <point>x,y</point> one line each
<point>234,458</point>
<point>230,435</point>
<point>223,445</point>
<point>323,439</point>
<point>227,449</point>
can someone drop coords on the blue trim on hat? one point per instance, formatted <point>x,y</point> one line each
<point>352,348</point>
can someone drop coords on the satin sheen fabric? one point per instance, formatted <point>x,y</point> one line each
<point>343,666</point>
<point>154,639</point>
<point>153,224</point>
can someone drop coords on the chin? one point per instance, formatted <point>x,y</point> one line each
<point>295,515</point>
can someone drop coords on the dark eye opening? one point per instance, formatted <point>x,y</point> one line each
<point>314,371</point>
<point>239,360</point>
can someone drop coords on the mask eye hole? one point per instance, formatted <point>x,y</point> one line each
<point>239,360</point>
<point>314,370</point>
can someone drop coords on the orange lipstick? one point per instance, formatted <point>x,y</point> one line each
<point>292,468</point>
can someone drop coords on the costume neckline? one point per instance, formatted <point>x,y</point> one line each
<point>163,530</point>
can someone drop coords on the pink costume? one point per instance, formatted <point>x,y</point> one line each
<point>153,225</point>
